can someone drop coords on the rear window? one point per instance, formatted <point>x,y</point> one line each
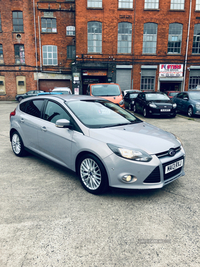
<point>32,107</point>
<point>105,90</point>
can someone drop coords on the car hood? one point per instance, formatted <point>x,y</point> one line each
<point>161,102</point>
<point>140,135</point>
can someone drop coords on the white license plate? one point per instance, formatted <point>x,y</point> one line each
<point>173,166</point>
<point>165,110</point>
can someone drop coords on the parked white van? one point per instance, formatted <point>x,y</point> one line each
<point>64,90</point>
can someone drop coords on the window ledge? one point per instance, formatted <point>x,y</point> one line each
<point>126,9</point>
<point>151,9</point>
<point>174,54</point>
<point>48,32</point>
<point>95,8</point>
<point>177,10</point>
<point>149,54</point>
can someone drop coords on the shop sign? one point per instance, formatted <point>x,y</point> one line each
<point>76,77</point>
<point>171,70</point>
<point>95,72</point>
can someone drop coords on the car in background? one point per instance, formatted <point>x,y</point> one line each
<point>124,92</point>
<point>28,94</point>
<point>188,102</point>
<point>64,90</point>
<point>154,103</point>
<point>100,141</point>
<point>129,98</point>
<point>109,91</point>
<point>171,94</point>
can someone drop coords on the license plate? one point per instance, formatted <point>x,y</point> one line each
<point>165,110</point>
<point>173,166</point>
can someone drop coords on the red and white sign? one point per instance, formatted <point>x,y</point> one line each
<point>171,70</point>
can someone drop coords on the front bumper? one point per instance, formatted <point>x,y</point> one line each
<point>150,175</point>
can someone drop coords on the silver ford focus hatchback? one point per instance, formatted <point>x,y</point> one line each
<point>105,144</point>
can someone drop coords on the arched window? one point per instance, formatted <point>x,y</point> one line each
<point>94,37</point>
<point>124,37</point>
<point>150,38</point>
<point>175,38</point>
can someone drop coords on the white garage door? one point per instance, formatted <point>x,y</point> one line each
<point>123,78</point>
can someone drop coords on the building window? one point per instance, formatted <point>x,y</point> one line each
<point>19,54</point>
<point>175,38</point>
<point>18,21</point>
<point>125,4</point>
<point>71,51</point>
<point>94,3</point>
<point>196,40</point>
<point>177,4</point>
<point>48,25</point>
<point>151,4</point>
<point>94,37</point>
<point>0,23</point>
<point>198,5</point>
<point>1,54</point>
<point>50,55</point>
<point>124,37</point>
<point>70,30</point>
<point>194,82</point>
<point>150,38</point>
<point>147,83</point>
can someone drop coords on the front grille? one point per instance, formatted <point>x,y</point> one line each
<point>154,177</point>
<point>165,153</point>
<point>173,173</point>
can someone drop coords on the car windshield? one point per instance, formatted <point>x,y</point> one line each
<point>100,113</point>
<point>156,97</point>
<point>133,95</point>
<point>105,90</point>
<point>194,95</point>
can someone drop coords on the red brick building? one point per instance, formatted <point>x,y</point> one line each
<point>37,45</point>
<point>140,44</point>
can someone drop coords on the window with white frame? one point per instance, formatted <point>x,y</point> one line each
<point>150,38</point>
<point>94,3</point>
<point>147,83</point>
<point>151,4</point>
<point>194,81</point>
<point>197,5</point>
<point>94,37</point>
<point>196,40</point>
<point>124,37</point>
<point>175,38</point>
<point>19,54</point>
<point>17,21</point>
<point>71,51</point>
<point>1,54</point>
<point>70,30</point>
<point>125,3</point>
<point>50,55</point>
<point>177,4</point>
<point>48,25</point>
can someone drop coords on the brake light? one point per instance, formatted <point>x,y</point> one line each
<point>12,113</point>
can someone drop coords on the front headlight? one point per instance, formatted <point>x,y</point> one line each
<point>197,106</point>
<point>152,105</point>
<point>129,153</point>
<point>121,102</point>
<point>174,105</point>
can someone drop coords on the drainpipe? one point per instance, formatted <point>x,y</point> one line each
<point>40,43</point>
<point>35,43</point>
<point>186,53</point>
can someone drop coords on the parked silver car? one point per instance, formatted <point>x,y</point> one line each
<point>105,144</point>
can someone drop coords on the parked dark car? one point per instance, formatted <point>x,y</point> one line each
<point>188,102</point>
<point>154,103</point>
<point>129,98</point>
<point>171,94</point>
<point>28,94</point>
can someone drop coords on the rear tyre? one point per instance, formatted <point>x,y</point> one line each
<point>190,112</point>
<point>17,145</point>
<point>92,174</point>
<point>129,106</point>
<point>134,109</point>
<point>20,99</point>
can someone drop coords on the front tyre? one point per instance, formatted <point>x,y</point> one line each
<point>145,114</point>
<point>92,174</point>
<point>190,112</point>
<point>17,145</point>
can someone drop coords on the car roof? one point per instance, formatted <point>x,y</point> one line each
<point>69,97</point>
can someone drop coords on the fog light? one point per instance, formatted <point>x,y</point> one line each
<point>129,178</point>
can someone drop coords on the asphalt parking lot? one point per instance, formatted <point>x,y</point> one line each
<point>48,219</point>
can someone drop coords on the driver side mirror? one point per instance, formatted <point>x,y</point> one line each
<point>63,123</point>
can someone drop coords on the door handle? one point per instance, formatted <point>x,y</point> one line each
<point>44,129</point>
<point>22,120</point>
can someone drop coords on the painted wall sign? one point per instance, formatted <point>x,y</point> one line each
<point>171,70</point>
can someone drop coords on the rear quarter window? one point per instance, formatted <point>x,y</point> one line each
<point>32,107</point>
